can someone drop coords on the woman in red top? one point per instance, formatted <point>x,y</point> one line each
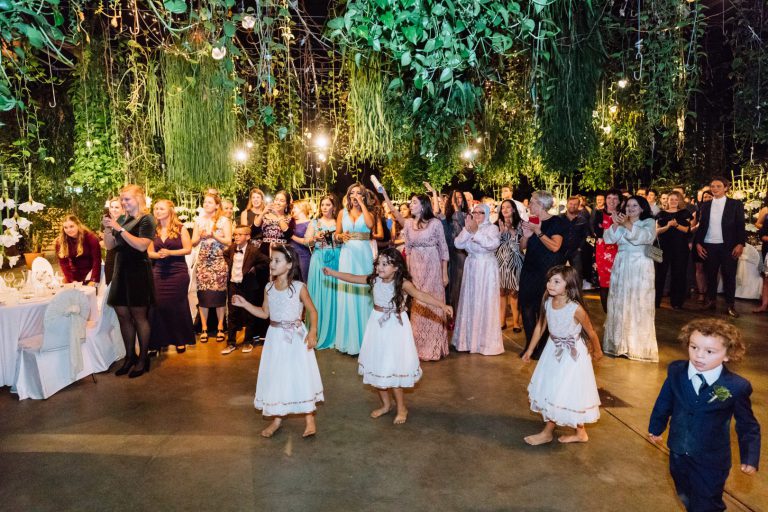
<point>79,253</point>
<point>605,253</point>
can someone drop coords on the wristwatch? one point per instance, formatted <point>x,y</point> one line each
<point>540,235</point>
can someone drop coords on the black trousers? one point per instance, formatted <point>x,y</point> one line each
<point>719,260</point>
<point>700,488</point>
<point>237,318</point>
<point>676,261</point>
<point>574,259</point>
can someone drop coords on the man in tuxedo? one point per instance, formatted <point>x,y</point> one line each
<point>248,274</point>
<point>719,241</point>
<point>698,399</point>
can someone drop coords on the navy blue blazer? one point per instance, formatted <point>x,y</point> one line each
<point>701,428</point>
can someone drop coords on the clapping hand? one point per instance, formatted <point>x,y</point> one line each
<point>672,223</point>
<point>530,229</point>
<point>109,223</point>
<point>470,224</point>
<point>163,253</point>
<point>429,187</point>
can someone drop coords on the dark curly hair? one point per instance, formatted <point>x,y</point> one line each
<point>399,300</point>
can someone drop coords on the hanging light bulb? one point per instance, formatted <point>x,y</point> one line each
<point>241,155</point>
<point>249,22</point>
<point>322,157</point>
<point>88,144</point>
<point>218,53</point>
<point>623,83</point>
<point>607,129</point>
<point>613,109</point>
<point>249,144</point>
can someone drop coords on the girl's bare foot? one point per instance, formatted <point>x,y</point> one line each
<point>311,428</point>
<point>272,428</point>
<point>381,411</point>
<point>540,438</point>
<point>402,415</point>
<point>580,436</point>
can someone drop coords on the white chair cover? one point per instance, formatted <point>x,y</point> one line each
<point>40,266</point>
<point>103,342</point>
<point>58,361</point>
<point>749,282</point>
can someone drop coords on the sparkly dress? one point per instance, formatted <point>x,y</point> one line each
<point>477,328</point>
<point>323,288</point>
<point>289,378</point>
<point>354,300</point>
<point>563,387</point>
<point>426,249</point>
<point>388,357</point>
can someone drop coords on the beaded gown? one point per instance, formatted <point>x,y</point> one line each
<point>427,249</point>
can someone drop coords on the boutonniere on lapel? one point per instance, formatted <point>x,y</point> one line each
<point>720,393</point>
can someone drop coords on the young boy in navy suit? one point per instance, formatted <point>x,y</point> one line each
<point>701,396</point>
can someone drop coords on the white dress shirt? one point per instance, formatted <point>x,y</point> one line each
<point>715,232</point>
<point>237,264</point>
<point>710,376</point>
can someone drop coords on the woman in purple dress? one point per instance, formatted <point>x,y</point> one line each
<point>299,240</point>
<point>171,323</point>
<point>425,246</point>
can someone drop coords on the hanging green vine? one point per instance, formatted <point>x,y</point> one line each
<point>198,122</point>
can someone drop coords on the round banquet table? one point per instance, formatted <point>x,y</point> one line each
<point>23,320</point>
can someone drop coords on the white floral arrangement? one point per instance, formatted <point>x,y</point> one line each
<point>13,226</point>
<point>750,187</point>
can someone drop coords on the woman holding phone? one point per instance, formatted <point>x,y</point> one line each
<point>543,235</point>
<point>277,224</point>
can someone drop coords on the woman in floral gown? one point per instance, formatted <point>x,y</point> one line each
<point>213,233</point>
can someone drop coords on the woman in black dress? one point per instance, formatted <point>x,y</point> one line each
<point>115,210</point>
<point>673,225</point>
<point>132,290</point>
<point>253,214</point>
<point>170,320</point>
<point>456,212</point>
<point>543,235</point>
<point>277,224</point>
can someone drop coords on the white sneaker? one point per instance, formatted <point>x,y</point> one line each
<point>247,348</point>
<point>229,349</point>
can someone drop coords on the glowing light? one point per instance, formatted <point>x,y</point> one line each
<point>607,129</point>
<point>321,141</point>
<point>241,155</point>
<point>88,144</point>
<point>322,157</point>
<point>613,109</point>
<point>467,154</point>
<point>479,140</point>
<point>249,144</point>
<point>623,83</point>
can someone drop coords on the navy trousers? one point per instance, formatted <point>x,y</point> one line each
<point>699,488</point>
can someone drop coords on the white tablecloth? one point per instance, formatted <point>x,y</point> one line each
<point>23,320</point>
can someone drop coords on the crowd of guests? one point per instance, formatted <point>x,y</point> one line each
<point>460,250</point>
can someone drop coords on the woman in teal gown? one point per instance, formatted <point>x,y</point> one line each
<point>354,306</point>
<point>322,288</point>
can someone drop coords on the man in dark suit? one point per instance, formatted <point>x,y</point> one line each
<point>719,241</point>
<point>700,396</point>
<point>248,274</point>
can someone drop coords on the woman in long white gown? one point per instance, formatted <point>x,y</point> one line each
<point>477,328</point>
<point>629,325</point>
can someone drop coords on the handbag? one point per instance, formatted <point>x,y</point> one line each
<point>654,251</point>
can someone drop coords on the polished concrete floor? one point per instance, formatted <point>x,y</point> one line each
<point>185,437</point>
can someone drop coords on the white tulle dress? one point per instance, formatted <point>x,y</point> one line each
<point>388,357</point>
<point>289,379</point>
<point>563,387</point>
<point>629,325</point>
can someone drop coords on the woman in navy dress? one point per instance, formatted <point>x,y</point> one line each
<point>132,289</point>
<point>170,319</point>
<point>299,240</point>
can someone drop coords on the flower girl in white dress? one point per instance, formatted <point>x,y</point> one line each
<point>289,379</point>
<point>563,387</point>
<point>388,357</point>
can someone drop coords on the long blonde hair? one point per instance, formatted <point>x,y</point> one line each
<point>174,224</point>
<point>138,193</point>
<point>62,238</point>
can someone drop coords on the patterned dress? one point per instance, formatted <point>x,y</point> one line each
<point>605,253</point>
<point>510,259</point>
<point>211,268</point>
<point>272,234</point>
<point>426,249</point>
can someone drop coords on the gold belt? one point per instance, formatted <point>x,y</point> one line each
<point>356,235</point>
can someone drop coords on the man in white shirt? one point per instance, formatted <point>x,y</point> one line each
<point>719,242</point>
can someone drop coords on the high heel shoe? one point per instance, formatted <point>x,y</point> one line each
<point>129,362</point>
<point>139,373</point>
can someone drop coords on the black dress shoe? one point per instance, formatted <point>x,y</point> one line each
<point>125,368</point>
<point>732,312</point>
<point>139,373</point>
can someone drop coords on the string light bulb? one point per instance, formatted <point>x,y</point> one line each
<point>623,83</point>
<point>241,155</point>
<point>613,109</point>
